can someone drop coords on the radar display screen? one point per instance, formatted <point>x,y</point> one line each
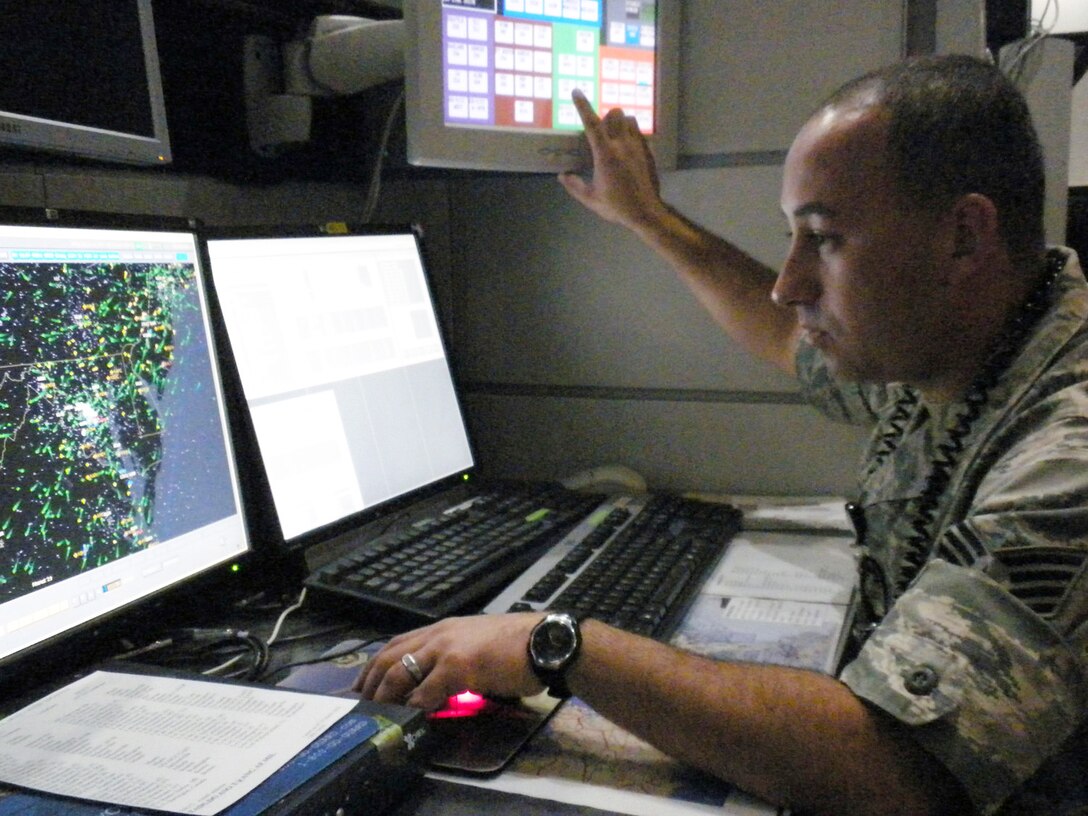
<point>115,469</point>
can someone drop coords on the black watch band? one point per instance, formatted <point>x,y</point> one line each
<point>554,645</point>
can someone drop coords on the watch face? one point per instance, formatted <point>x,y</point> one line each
<point>554,641</point>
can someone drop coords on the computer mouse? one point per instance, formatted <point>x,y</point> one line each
<point>614,478</point>
<point>464,704</point>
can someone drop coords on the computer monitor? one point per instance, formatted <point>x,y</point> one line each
<point>117,480</point>
<point>343,367</point>
<point>488,82</point>
<point>82,79</point>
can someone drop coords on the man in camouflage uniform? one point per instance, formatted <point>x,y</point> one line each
<point>987,647</point>
<point>917,295</point>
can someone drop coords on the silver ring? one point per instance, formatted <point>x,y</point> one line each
<point>412,667</point>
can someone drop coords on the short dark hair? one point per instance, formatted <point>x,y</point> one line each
<point>958,125</point>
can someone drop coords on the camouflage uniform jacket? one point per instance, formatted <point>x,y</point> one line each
<point>984,647</point>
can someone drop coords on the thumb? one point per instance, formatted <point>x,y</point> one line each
<point>577,186</point>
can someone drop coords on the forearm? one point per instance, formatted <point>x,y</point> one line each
<point>792,736</point>
<point>734,287</point>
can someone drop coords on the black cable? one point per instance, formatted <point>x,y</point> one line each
<point>347,650</point>
<point>919,546</point>
<point>316,633</point>
<point>194,648</point>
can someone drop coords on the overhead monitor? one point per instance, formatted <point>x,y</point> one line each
<point>488,82</point>
<point>117,480</point>
<point>83,79</point>
<point>337,346</point>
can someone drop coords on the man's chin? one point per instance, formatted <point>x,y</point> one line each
<point>840,367</point>
<point>845,371</point>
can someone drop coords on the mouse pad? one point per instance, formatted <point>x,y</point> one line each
<point>478,735</point>
<point>470,735</point>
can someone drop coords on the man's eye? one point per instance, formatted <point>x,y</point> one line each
<point>821,240</point>
<point>814,239</point>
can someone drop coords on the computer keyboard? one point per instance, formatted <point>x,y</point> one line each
<point>458,559</point>
<point>636,564</point>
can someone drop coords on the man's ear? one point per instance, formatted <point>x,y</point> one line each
<point>975,228</point>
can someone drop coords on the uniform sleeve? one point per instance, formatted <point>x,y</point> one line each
<point>986,654</point>
<point>1029,517</point>
<point>990,688</point>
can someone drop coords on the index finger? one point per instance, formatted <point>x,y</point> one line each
<point>589,117</point>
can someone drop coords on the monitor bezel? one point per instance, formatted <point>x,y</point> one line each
<point>58,137</point>
<point>269,542</point>
<point>96,638</point>
<point>431,143</point>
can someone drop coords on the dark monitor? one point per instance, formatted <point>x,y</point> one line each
<point>488,82</point>
<point>343,367</point>
<point>117,480</point>
<point>82,79</point>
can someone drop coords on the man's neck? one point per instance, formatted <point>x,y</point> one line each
<point>987,346</point>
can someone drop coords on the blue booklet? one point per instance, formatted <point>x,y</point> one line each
<point>346,735</point>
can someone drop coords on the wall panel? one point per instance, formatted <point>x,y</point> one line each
<point>547,293</point>
<point>762,449</point>
<point>752,70</point>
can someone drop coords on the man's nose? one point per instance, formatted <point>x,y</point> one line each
<point>797,283</point>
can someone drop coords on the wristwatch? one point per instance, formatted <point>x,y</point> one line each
<point>554,644</point>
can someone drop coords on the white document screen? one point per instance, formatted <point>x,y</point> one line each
<point>344,370</point>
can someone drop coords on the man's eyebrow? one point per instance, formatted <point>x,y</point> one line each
<point>814,208</point>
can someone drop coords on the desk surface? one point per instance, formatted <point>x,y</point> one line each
<point>779,597</point>
<point>442,797</point>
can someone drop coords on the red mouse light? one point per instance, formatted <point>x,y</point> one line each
<point>464,704</point>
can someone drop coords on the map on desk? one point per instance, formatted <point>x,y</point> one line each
<point>760,630</point>
<point>787,567</point>
<point>583,760</point>
<point>580,745</point>
<point>789,604</point>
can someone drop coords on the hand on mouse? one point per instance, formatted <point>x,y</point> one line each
<point>486,653</point>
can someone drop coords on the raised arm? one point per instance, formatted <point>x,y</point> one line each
<point>734,287</point>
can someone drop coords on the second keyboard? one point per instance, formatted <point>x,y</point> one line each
<point>637,563</point>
